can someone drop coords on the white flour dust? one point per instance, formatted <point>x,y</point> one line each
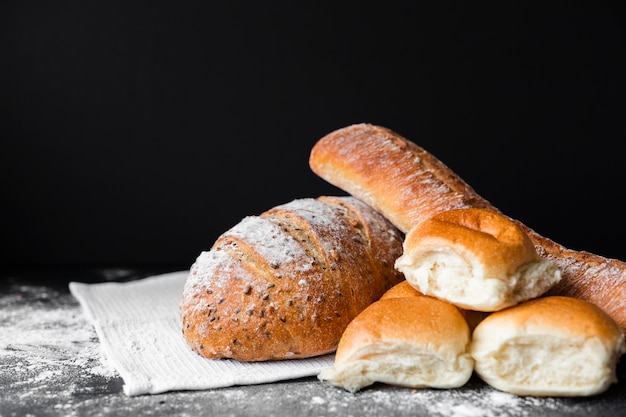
<point>46,342</point>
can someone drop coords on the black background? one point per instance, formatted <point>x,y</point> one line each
<point>137,132</point>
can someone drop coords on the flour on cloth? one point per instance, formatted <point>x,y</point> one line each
<point>139,327</point>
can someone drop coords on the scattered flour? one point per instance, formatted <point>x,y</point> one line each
<point>70,351</point>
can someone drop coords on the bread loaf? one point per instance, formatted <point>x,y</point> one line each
<point>550,346</point>
<point>475,259</point>
<point>285,284</point>
<point>407,185</point>
<point>409,340</point>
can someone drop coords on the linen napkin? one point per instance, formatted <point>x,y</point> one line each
<point>139,329</point>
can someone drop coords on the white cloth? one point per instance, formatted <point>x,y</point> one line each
<point>139,329</point>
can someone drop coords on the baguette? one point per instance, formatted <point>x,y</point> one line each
<point>285,284</point>
<point>408,185</point>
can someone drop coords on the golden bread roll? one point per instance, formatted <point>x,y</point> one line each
<point>475,259</point>
<point>550,346</point>
<point>404,289</point>
<point>408,185</point>
<point>285,284</point>
<point>413,341</point>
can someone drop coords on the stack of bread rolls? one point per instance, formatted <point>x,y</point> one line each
<point>553,319</point>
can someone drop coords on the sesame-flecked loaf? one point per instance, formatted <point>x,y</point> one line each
<point>286,283</point>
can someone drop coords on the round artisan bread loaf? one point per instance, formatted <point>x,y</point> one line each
<point>475,259</point>
<point>550,346</point>
<point>285,284</point>
<point>412,341</point>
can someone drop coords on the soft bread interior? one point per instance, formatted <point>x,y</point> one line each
<point>401,364</point>
<point>459,277</point>
<point>407,341</point>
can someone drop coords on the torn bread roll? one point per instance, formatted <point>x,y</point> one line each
<point>475,259</point>
<point>550,346</point>
<point>407,185</point>
<point>285,284</point>
<point>411,341</point>
<point>404,289</point>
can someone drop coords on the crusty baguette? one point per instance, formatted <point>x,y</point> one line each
<point>407,184</point>
<point>285,284</point>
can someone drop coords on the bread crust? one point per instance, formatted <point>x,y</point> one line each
<point>407,185</point>
<point>390,173</point>
<point>286,283</point>
<point>400,290</point>
<point>497,243</point>
<point>404,289</point>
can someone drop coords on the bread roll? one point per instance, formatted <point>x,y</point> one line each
<point>550,346</point>
<point>413,341</point>
<point>475,259</point>
<point>407,185</point>
<point>285,284</point>
<point>404,289</point>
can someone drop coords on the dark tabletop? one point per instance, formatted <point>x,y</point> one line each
<point>51,365</point>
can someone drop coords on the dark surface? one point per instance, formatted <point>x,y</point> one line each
<point>58,371</point>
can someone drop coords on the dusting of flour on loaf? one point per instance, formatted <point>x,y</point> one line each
<point>267,238</point>
<point>321,216</point>
<point>213,270</point>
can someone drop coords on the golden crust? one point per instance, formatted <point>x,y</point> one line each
<point>421,320</point>
<point>402,289</point>
<point>391,174</point>
<point>568,316</point>
<point>286,283</point>
<point>493,239</point>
